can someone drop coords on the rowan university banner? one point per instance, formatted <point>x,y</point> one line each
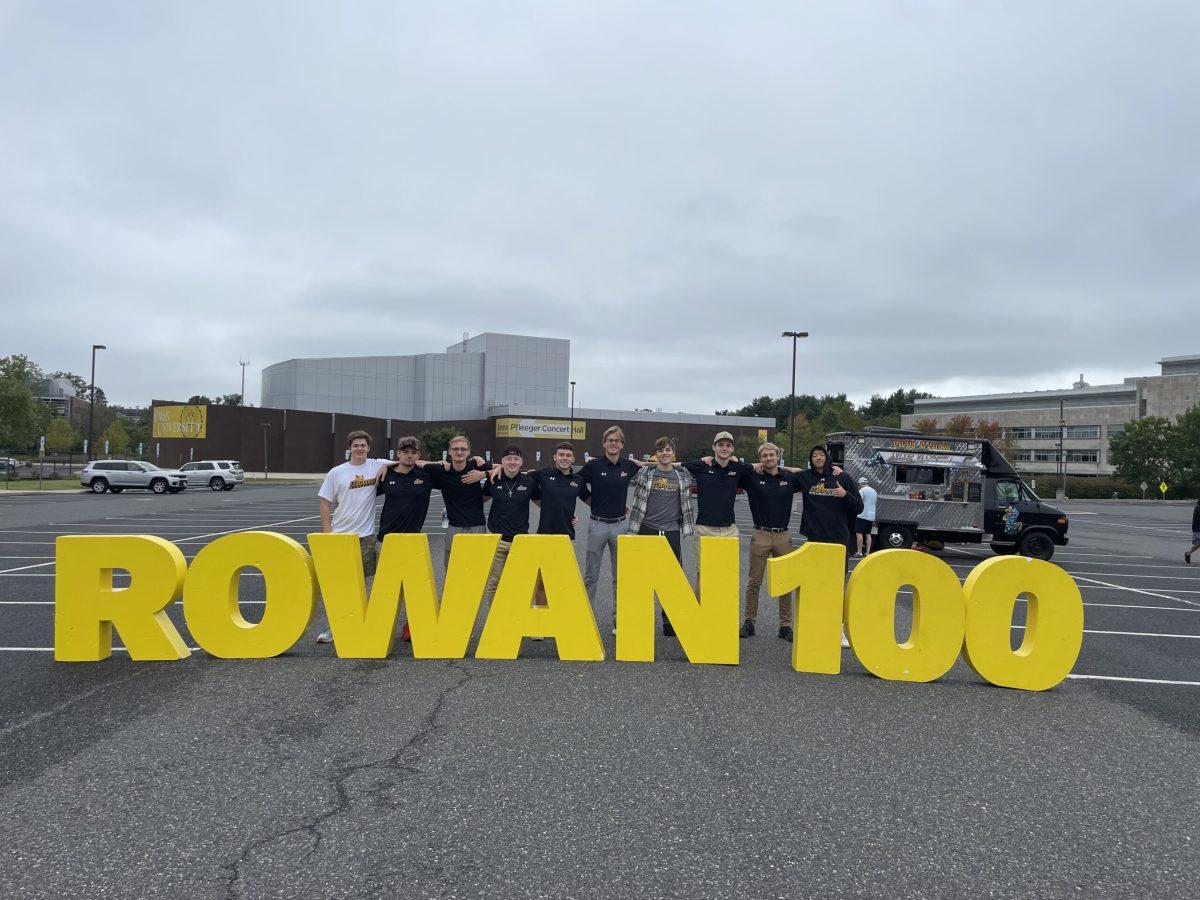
<point>180,421</point>
<point>554,429</point>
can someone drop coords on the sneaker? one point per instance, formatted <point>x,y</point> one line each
<point>856,556</point>
<point>537,638</point>
<point>325,637</point>
<point>786,633</point>
<point>405,633</point>
<point>668,629</point>
<point>614,631</point>
<point>1187,557</point>
<point>747,629</point>
<point>845,640</point>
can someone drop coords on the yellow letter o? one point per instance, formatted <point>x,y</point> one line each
<point>210,595</point>
<point>1053,622</point>
<point>938,615</point>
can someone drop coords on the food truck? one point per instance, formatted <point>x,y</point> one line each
<point>951,490</point>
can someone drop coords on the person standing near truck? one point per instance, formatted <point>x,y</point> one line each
<point>1187,557</point>
<point>865,520</point>
<point>829,500</point>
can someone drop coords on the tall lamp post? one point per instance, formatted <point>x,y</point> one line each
<point>795,336</point>
<point>571,434</point>
<point>266,471</point>
<point>242,395</point>
<point>92,404</point>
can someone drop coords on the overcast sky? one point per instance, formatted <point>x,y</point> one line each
<point>956,196</point>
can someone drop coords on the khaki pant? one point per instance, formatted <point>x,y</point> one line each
<point>711,531</point>
<point>497,567</point>
<point>763,545</point>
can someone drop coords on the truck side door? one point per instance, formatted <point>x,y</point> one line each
<point>1002,514</point>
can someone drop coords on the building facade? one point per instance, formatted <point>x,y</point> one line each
<point>487,370</point>
<point>1085,417</point>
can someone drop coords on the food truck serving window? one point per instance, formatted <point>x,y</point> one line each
<point>920,475</point>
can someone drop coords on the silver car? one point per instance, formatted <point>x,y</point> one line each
<point>218,474</point>
<point>116,475</point>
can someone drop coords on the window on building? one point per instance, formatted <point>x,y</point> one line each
<point>1083,456</point>
<point>1083,432</point>
<point>1045,456</point>
<point>1116,429</point>
<point>1020,432</point>
<point>920,475</point>
<point>1023,456</point>
<point>1045,433</point>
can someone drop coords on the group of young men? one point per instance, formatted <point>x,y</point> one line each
<point>624,496</point>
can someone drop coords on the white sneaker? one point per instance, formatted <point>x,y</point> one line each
<point>325,637</point>
<point>537,638</point>
<point>845,640</point>
<point>614,631</point>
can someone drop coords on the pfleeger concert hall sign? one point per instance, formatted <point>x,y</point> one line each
<point>972,619</point>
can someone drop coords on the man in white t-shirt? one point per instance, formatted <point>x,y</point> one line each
<point>348,507</point>
<point>866,519</point>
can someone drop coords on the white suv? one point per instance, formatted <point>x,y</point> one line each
<point>218,474</point>
<point>115,475</point>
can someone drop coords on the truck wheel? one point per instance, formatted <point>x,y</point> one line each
<point>99,485</point>
<point>215,484</point>
<point>1003,549</point>
<point>159,485</point>
<point>1037,544</point>
<point>895,537</point>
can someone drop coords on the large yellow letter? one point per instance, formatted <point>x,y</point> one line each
<point>938,615</point>
<point>816,573</point>
<point>210,595</point>
<point>567,617</point>
<point>1053,622</point>
<point>707,628</point>
<point>87,606</point>
<point>365,629</point>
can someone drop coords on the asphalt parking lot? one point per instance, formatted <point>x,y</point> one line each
<point>306,775</point>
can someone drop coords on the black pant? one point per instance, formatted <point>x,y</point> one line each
<point>676,548</point>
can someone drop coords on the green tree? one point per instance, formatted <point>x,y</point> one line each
<point>437,440</point>
<point>81,387</point>
<point>229,400</point>
<point>20,368</point>
<point>1185,446</point>
<point>926,425</point>
<point>22,417</point>
<point>1146,451</point>
<point>60,437</point>
<point>117,438</point>
<point>199,400</point>
<point>959,426</point>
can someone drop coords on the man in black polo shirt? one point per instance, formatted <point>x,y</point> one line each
<point>510,492</point>
<point>718,478</point>
<point>560,487</point>
<point>406,489</point>
<point>770,492</point>
<point>459,483</point>
<point>606,482</point>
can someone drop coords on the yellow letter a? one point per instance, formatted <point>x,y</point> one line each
<point>86,606</point>
<point>707,628</point>
<point>365,629</point>
<point>567,617</point>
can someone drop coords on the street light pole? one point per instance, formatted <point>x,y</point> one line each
<point>1062,446</point>
<point>795,336</point>
<point>92,404</point>
<point>242,395</point>
<point>571,435</point>
<point>266,471</point>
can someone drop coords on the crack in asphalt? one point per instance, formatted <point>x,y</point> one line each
<point>400,762</point>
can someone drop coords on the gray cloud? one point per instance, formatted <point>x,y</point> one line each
<point>956,196</point>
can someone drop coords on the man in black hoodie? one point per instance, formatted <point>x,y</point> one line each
<point>1187,557</point>
<point>830,501</point>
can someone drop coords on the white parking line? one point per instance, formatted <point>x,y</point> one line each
<point>22,568</point>
<point>1135,680</point>
<point>1134,590</point>
<point>1194,637</point>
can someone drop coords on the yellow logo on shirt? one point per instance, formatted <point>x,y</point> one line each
<point>821,489</point>
<point>360,482</point>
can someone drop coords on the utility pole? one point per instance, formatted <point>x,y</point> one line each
<point>795,336</point>
<point>1062,445</point>
<point>266,469</point>
<point>571,434</point>
<point>242,395</point>
<point>92,407</point>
